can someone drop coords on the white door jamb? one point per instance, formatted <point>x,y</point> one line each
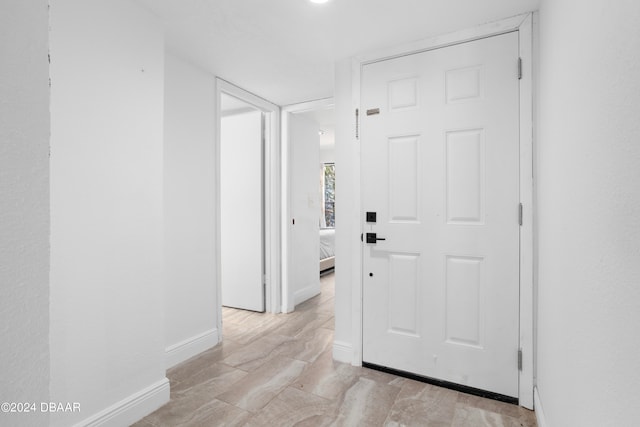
<point>271,194</point>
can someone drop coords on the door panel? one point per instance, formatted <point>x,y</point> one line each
<point>241,189</point>
<point>403,178</point>
<point>464,177</point>
<point>440,168</point>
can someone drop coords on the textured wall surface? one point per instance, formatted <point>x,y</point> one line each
<point>589,202</point>
<point>107,296</point>
<point>24,208</point>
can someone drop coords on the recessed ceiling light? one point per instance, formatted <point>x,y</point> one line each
<point>318,1</point>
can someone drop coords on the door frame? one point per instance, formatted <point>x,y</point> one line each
<point>271,196</point>
<point>286,225</point>
<point>523,24</point>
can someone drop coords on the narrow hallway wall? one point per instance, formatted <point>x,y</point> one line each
<point>107,299</point>
<point>588,204</point>
<point>24,208</point>
<point>189,210</point>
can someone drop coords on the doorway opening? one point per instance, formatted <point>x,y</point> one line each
<point>248,200</point>
<point>310,185</point>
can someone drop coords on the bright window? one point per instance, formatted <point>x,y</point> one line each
<point>328,195</point>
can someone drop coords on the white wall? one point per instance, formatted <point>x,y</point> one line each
<point>189,211</point>
<point>24,208</point>
<point>107,297</point>
<point>588,206</point>
<point>305,207</point>
<point>241,187</point>
<point>347,211</point>
<point>327,153</point>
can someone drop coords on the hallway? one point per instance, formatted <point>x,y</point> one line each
<point>277,370</point>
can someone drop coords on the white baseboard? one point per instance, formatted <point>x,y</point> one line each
<point>342,352</point>
<point>131,409</point>
<point>537,404</point>
<point>188,348</point>
<point>305,293</point>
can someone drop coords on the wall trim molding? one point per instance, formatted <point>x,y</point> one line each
<point>537,403</point>
<point>305,293</point>
<point>190,347</point>
<point>342,352</point>
<point>132,408</point>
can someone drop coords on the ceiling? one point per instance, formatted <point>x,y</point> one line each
<point>325,120</point>
<point>285,50</point>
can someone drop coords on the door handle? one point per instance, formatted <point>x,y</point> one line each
<point>373,238</point>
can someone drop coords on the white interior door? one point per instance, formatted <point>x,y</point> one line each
<point>440,165</point>
<point>241,203</point>
<point>304,142</point>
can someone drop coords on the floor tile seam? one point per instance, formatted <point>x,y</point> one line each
<point>305,392</point>
<point>266,359</point>
<point>221,399</point>
<point>257,411</point>
<point>228,386</point>
<point>316,321</point>
<point>239,369</point>
<point>261,366</point>
<point>340,397</point>
<point>268,355</point>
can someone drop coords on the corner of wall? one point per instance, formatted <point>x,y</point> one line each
<point>537,404</point>
<point>190,279</point>
<point>342,352</point>
<point>132,408</point>
<point>184,350</point>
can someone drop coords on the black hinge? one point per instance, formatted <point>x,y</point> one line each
<point>357,124</point>
<point>519,68</point>
<point>519,359</point>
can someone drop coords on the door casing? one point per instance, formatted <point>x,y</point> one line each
<point>523,24</point>
<point>272,195</point>
<point>287,288</point>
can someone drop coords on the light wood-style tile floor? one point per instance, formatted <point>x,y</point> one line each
<point>278,370</point>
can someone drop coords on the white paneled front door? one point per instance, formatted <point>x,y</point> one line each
<point>440,168</point>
